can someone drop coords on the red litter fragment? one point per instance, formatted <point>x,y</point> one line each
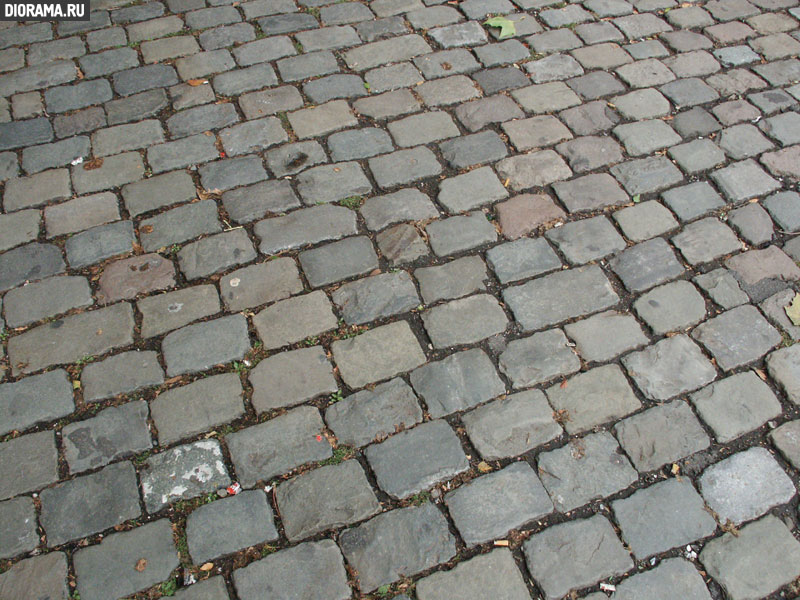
<point>319,438</point>
<point>234,488</point>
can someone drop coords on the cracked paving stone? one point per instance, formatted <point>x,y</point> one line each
<point>761,273</point>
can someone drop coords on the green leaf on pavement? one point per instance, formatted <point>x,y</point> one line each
<point>507,28</point>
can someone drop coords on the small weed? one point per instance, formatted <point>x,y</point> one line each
<point>182,545</point>
<point>240,367</point>
<point>174,249</point>
<point>4,335</point>
<point>267,550</point>
<point>340,454</point>
<point>336,396</point>
<point>787,340</point>
<point>141,458</point>
<point>134,44</point>
<point>283,118</point>
<point>85,360</point>
<point>490,217</point>
<point>75,595</point>
<point>298,46</point>
<point>383,591</point>
<point>421,498</point>
<point>313,11</point>
<point>366,86</point>
<point>169,587</point>
<point>224,430</point>
<point>536,55</point>
<point>353,202</point>
<point>210,497</point>
<point>311,341</point>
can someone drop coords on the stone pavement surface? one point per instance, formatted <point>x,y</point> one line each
<point>465,317</point>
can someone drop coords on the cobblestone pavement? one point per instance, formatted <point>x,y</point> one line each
<point>464,317</point>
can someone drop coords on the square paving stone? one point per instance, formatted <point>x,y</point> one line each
<point>325,498</point>
<point>736,405</point>
<point>723,288</point>
<point>647,264</point>
<point>575,555</point>
<point>294,319</point>
<point>590,192</point>
<point>261,283</point>
<point>46,298</point>
<point>331,183</point>
<point>18,531</point>
<point>737,337</point>
<point>490,506</point>
<point>764,557</point>
<point>593,397</point>
<point>645,220</point>
<point>477,148</point>
<point>215,253</point>
<point>290,378</point>
<point>107,568</point>
<point>525,213</point>
<point>305,226</point>
<point>661,435</point>
<point>535,169</point>
<point>404,205</point>
<point>745,486</point>
<point>464,321</point>
<point>45,576</point>
<point>197,407</point>
<point>541,98</point>
<point>34,399</point>
<point>585,469</point>
<point>471,190</point>
<point>645,137</point>
<point>697,155</point>
<point>743,141</point>
<point>338,260</point>
<point>201,346</point>
<point>212,588</point>
<point>90,503</point>
<point>27,463</point>
<point>784,367</point>
<point>522,259</point>
<point>492,575</point>
<point>377,354</point>
<point>536,132</point>
<point>279,445</point>
<point>116,432</point>
<point>165,312</point>
<point>458,382</point>
<point>784,208</point>
<point>375,297</point>
<point>671,307</point>
<point>98,243</point>
<point>744,180</point>
<point>560,296</point>
<point>670,367</point>
<point>787,440</point>
<point>646,175</point>
<point>512,425</point>
<point>642,104</point>
<point>538,358</point>
<point>674,576</point>
<point>691,201</point>
<point>401,244</point>
<point>371,415</point>
<point>591,118</point>
<point>417,459</point>
<point>663,516</point>
<point>120,374</point>
<point>762,273</point>
<point>586,240</point>
<point>605,336</point>
<point>228,525</point>
<point>313,571</point>
<point>183,472</point>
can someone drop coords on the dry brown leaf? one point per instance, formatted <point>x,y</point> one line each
<point>196,82</point>
<point>484,467</point>
<point>207,566</point>
<point>141,564</point>
<point>91,165</point>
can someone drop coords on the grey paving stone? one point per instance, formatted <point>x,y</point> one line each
<point>179,225</point>
<point>404,166</point>
<point>376,297</point>
<point>71,338</point>
<point>666,515</point>
<point>398,543</point>
<point>338,260</point>
<point>141,79</point>
<point>287,23</point>
<point>99,243</point>
<point>18,134</point>
<point>201,118</point>
<point>767,485</point>
<point>162,190</point>
<point>594,342</point>
<point>264,50</point>
<point>458,35</point>
<point>723,288</point>
<point>660,435</point>
<point>328,497</point>
<point>692,201</point>
<point>359,143</point>
<point>80,214</point>
<point>113,433</point>
<point>260,283</point>
<point>512,425</point>
<point>446,324</point>
<point>536,132</point>
<point>538,358</point>
<point>72,97</point>
<point>270,102</point>
<point>372,415</point>
<point>782,365</point>
<point>737,337</point>
<point>671,307</point>
<point>390,104</point>
<point>403,464</point>
<point>115,171</point>
<point>743,180</point>
<point>476,114</point>
<point>575,555</point>
<point>18,532</point>
<point>587,468</point>
<point>306,226</point>
<point>165,312</point>
<point>34,399</point>
<point>228,525</point>
<point>182,473</point>
<point>26,192</point>
<point>470,190</point>
<point>670,367</point>
<point>227,35</point>
<point>392,77</point>
<point>313,570</point>
<point>90,503</point>
<point>774,309</point>
<point>646,264</point>
<point>401,244</point>
<point>494,574</point>
<point>28,463</point>
<point>29,262</point>
<point>645,137</point>
<point>586,240</point>
<point>782,207</point>
<point>736,405</point>
<point>446,63</point>
<point>57,154</point>
<point>455,279</point>
<point>46,298</point>
<point>461,232</point>
<point>673,575</point>
<point>404,205</point>
<point>787,440</point>
<point>695,121</point>
<point>105,569</point>
<point>212,588</point>
<point>331,183</point>
<point>590,192</point>
<point>293,158</point>
<point>197,407</point>
<point>291,378</point>
<point>45,576</point>
<point>256,201</point>
<point>226,174</point>
<point>276,446</point>
<point>181,153</point>
<point>767,545</point>
<point>199,347</point>
<point>216,253</point>
<point>522,258</point>
<point>457,382</point>
<point>611,398</point>
<point>554,298</point>
<point>376,54</point>
<point>645,220</point>
<point>761,273</point>
<point>647,174</point>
